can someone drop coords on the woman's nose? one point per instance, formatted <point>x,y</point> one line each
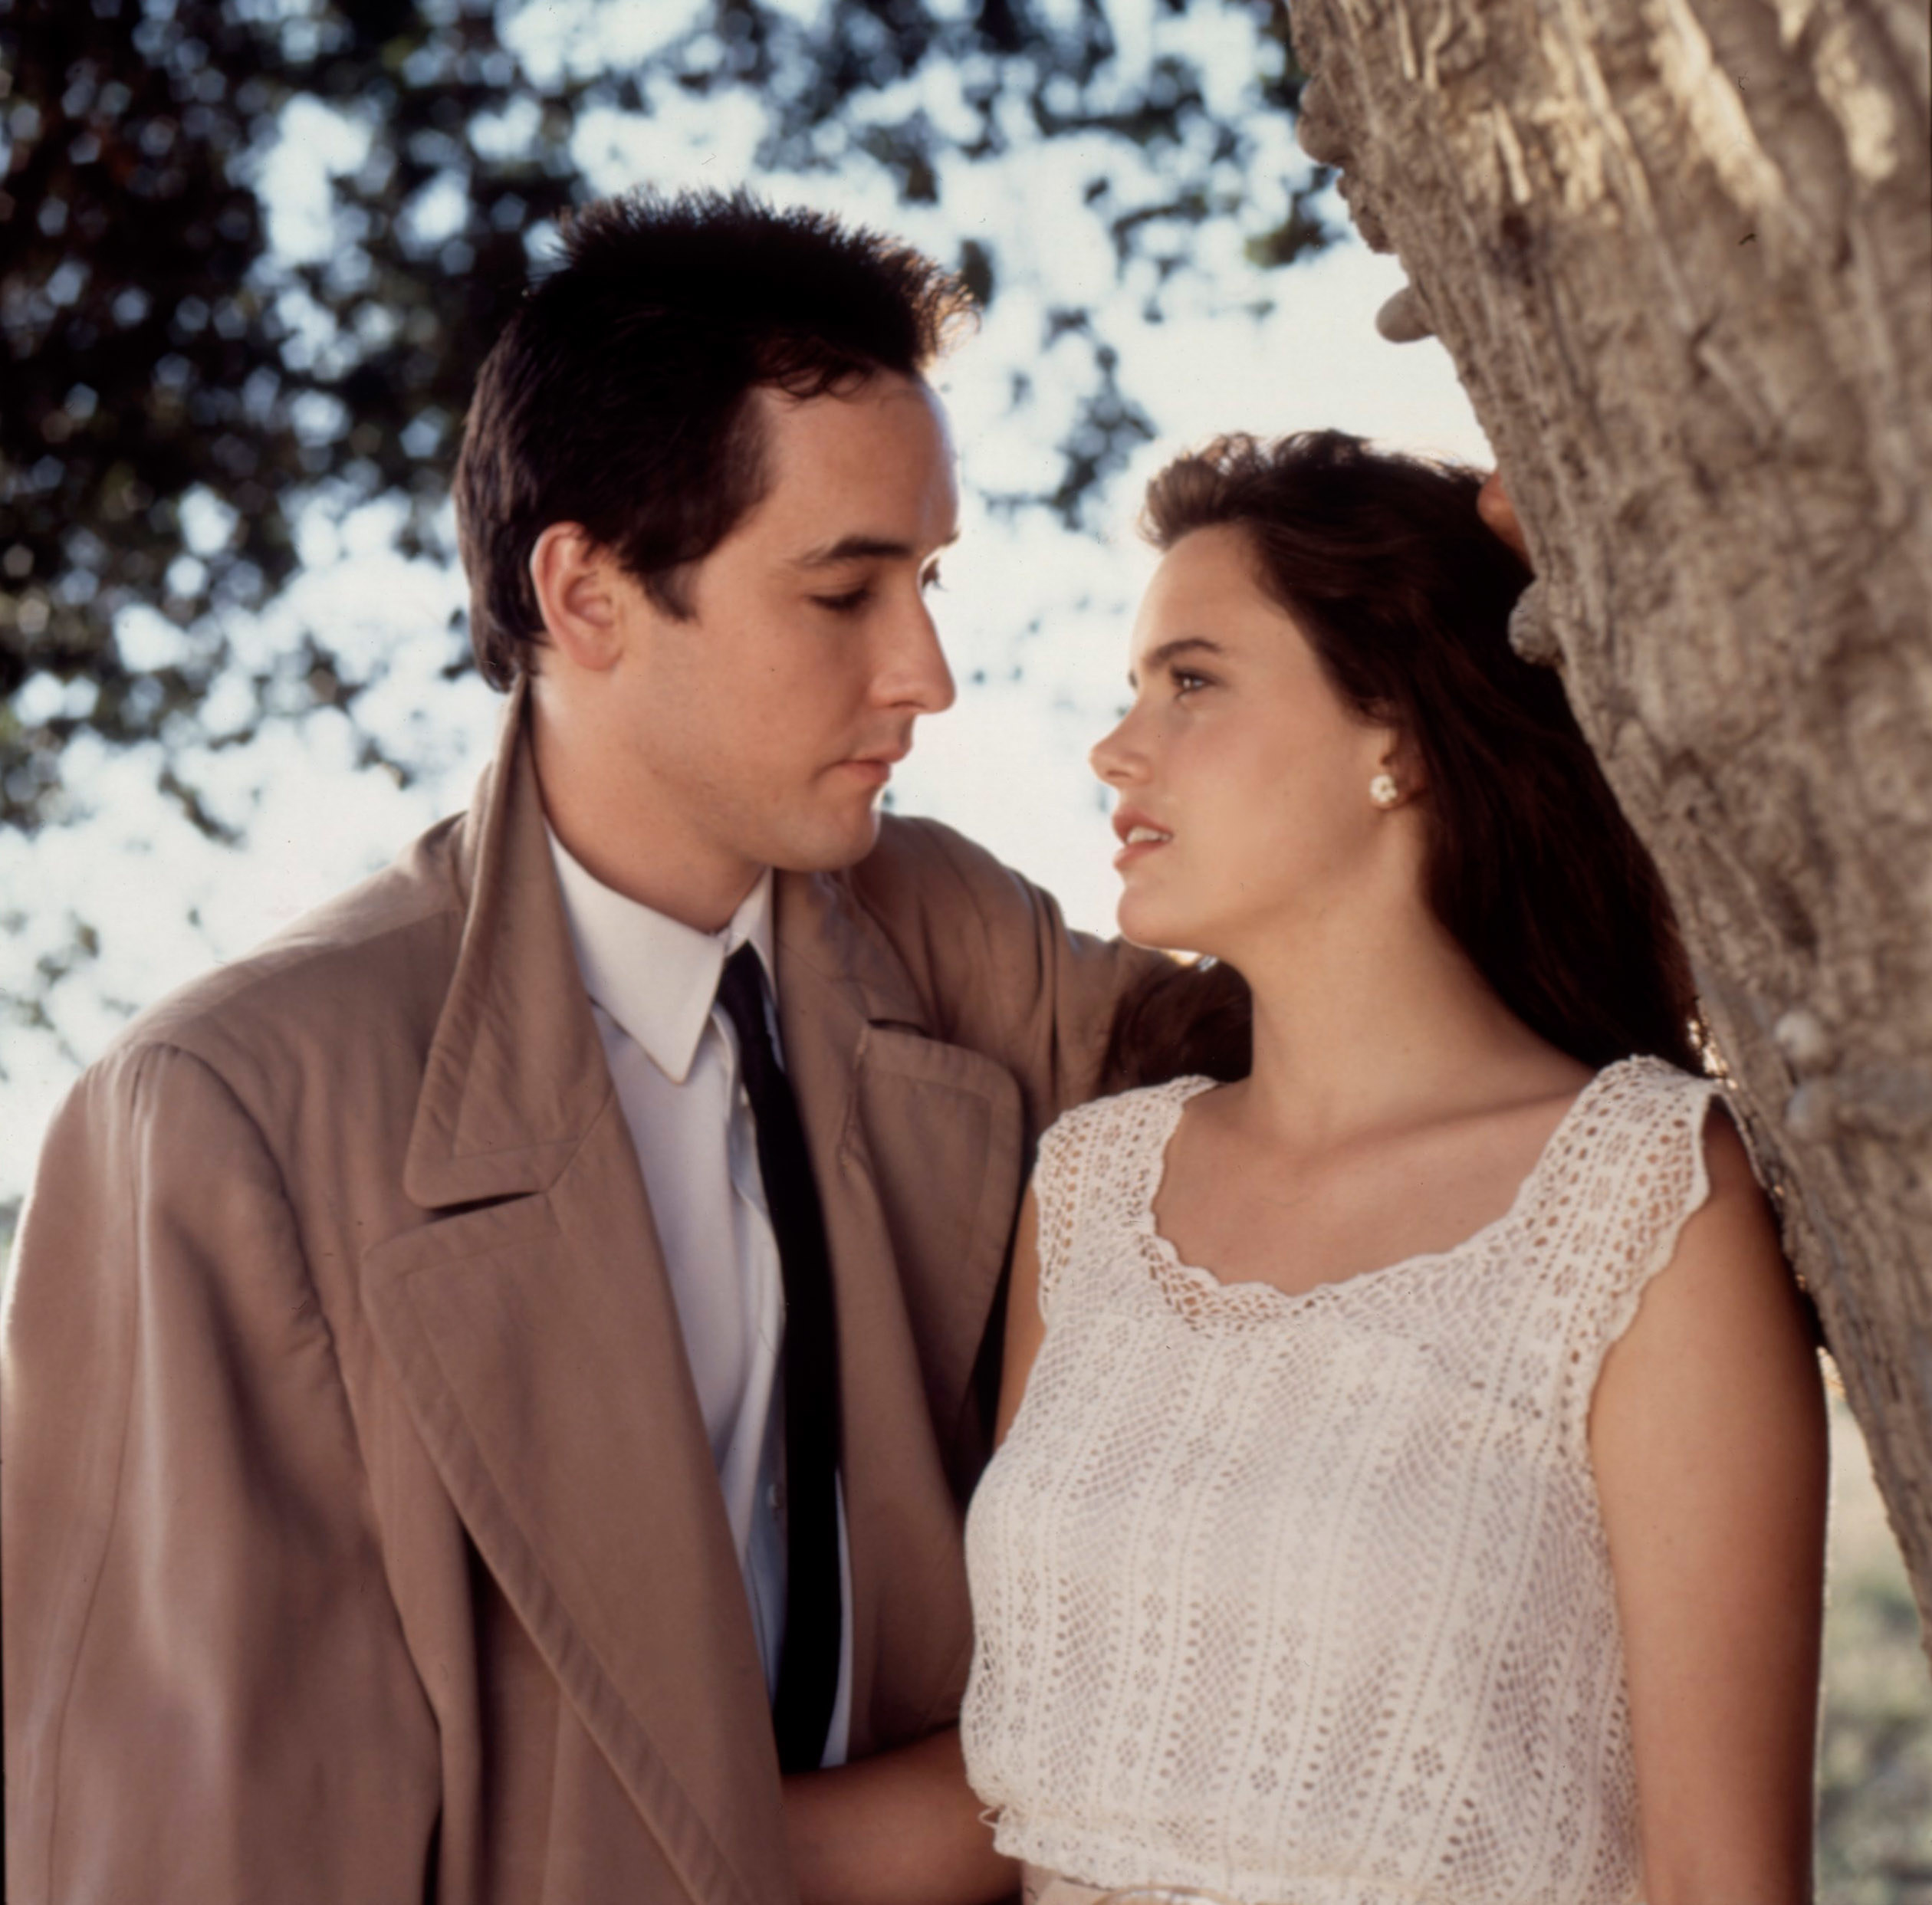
<point>1112,757</point>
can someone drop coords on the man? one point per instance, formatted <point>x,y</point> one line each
<point>471,1365</point>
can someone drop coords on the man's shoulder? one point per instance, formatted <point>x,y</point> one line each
<point>363,965</point>
<point>923,864</point>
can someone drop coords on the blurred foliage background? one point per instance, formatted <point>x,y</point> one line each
<point>251,252</point>
<point>179,389</point>
<point>1875,1751</point>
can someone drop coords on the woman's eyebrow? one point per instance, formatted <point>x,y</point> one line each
<point>1169,651</point>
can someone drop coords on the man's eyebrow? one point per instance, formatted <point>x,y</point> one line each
<point>859,548</point>
<point>1170,651</point>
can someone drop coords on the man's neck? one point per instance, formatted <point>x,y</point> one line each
<point>622,839</point>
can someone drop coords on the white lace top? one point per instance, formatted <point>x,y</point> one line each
<point>1304,1599</point>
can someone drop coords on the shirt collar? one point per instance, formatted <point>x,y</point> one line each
<point>655,976</point>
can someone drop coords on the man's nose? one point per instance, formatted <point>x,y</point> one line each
<point>916,675</point>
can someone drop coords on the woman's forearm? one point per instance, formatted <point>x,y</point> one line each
<point>1708,1440</point>
<point>901,1828</point>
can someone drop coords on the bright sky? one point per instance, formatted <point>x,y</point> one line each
<point>1035,617</point>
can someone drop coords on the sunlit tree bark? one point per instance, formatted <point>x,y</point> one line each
<point>1681,253</point>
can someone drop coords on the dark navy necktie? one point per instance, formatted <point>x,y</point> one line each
<point>808,1670</point>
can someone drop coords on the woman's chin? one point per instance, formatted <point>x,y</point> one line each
<point>1147,923</point>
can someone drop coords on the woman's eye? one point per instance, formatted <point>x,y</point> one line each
<point>930,580</point>
<point>1186,680</point>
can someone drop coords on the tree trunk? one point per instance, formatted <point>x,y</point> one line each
<point>1681,253</point>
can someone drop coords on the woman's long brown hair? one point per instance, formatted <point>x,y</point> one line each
<point>1404,595</point>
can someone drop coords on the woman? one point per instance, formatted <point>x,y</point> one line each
<point>1414,1465</point>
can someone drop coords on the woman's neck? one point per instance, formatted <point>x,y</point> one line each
<point>1365,1022</point>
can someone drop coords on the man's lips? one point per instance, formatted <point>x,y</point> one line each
<point>876,767</point>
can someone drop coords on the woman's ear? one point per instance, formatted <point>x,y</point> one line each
<point>577,584</point>
<point>1402,760</point>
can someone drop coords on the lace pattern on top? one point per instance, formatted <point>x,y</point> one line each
<point>1304,1598</point>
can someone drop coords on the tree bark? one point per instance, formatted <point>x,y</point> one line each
<point>1681,253</point>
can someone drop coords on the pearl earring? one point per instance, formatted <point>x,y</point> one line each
<point>1384,792</point>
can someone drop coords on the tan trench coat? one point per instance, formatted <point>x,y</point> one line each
<point>362,1542</point>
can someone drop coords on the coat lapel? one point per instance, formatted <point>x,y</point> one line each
<point>916,1146</point>
<point>533,1330</point>
<point>534,1334</point>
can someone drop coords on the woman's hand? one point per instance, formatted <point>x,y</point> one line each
<point>1708,1434</point>
<point>1493,505</point>
<point>902,1828</point>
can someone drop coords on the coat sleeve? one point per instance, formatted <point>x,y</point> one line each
<point>1006,974</point>
<point>209,1698</point>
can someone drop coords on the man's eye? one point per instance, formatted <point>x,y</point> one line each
<point>849,604</point>
<point>1186,680</point>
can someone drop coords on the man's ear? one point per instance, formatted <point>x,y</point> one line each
<point>577,584</point>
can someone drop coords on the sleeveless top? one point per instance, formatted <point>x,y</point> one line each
<point>1305,1599</point>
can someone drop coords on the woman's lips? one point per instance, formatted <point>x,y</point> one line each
<point>1140,840</point>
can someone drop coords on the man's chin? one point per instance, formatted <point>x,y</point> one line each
<point>833,849</point>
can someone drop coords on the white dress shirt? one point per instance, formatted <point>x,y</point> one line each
<point>673,1057</point>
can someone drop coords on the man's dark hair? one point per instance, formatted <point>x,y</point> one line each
<point>620,395</point>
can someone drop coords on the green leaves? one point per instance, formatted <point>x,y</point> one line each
<point>256,253</point>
